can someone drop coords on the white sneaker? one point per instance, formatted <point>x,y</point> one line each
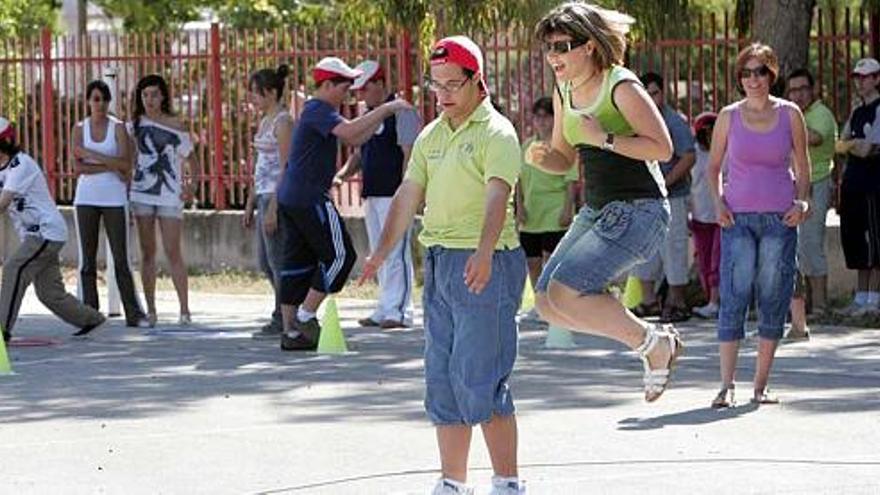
<point>507,486</point>
<point>857,310</point>
<point>709,311</point>
<point>449,487</point>
<point>531,316</point>
<point>864,310</point>
<point>185,320</point>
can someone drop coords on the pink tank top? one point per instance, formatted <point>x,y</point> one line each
<point>759,177</point>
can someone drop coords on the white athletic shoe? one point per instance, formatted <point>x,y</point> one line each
<point>449,487</point>
<point>531,316</point>
<point>708,312</point>
<point>858,310</point>
<point>505,486</point>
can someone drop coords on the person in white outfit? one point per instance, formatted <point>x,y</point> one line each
<point>103,166</point>
<point>382,162</point>
<point>24,194</point>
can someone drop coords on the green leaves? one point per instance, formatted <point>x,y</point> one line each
<point>19,18</point>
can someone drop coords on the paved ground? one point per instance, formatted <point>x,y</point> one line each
<point>209,410</point>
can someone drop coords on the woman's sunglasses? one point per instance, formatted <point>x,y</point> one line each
<point>762,71</point>
<point>560,47</point>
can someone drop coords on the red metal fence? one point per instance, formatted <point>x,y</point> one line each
<point>42,82</point>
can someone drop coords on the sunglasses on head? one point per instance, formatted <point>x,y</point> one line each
<point>762,71</point>
<point>560,47</point>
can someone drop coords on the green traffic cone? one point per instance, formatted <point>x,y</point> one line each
<point>632,293</point>
<point>559,338</point>
<point>5,366</point>
<point>332,339</point>
<point>528,297</point>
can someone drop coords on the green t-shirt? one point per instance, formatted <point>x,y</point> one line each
<point>454,166</point>
<point>609,176</point>
<point>544,195</point>
<point>820,119</point>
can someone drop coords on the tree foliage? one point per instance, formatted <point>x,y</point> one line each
<point>153,15</point>
<point>20,18</point>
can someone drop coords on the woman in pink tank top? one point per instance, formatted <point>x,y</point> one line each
<point>762,201</point>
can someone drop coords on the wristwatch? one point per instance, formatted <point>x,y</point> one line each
<point>803,204</point>
<point>608,144</point>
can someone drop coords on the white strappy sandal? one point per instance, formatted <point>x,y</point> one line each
<point>656,379</point>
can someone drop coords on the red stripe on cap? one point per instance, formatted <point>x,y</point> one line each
<point>321,75</point>
<point>8,134</point>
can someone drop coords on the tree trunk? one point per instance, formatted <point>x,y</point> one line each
<point>785,26</point>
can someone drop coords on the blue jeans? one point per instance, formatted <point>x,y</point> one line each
<point>268,253</point>
<point>757,260</point>
<point>602,245</point>
<point>470,339</point>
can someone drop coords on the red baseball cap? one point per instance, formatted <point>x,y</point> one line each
<point>704,120</point>
<point>333,67</point>
<point>7,132</point>
<point>461,51</point>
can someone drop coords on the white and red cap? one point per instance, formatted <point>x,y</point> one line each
<point>370,71</point>
<point>333,67</point>
<point>7,132</point>
<point>461,51</point>
<point>866,67</point>
<point>704,120</point>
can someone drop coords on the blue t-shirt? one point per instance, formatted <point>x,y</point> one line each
<point>682,142</point>
<point>311,164</point>
<point>381,156</point>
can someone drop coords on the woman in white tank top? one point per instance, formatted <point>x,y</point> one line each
<point>103,168</point>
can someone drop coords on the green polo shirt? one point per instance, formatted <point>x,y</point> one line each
<point>544,195</point>
<point>820,119</point>
<point>454,166</point>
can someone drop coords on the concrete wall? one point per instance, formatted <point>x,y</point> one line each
<point>215,241</point>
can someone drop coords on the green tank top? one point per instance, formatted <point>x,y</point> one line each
<point>609,176</point>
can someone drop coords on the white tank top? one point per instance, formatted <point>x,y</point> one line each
<point>106,188</point>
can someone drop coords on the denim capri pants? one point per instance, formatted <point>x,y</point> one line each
<point>757,261</point>
<point>470,339</point>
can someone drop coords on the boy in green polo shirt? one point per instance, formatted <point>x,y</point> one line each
<point>464,166</point>
<point>545,203</point>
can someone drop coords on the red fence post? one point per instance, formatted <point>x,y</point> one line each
<point>217,177</point>
<point>406,48</point>
<point>48,104</point>
<point>875,34</point>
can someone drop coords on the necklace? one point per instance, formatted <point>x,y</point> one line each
<point>585,81</point>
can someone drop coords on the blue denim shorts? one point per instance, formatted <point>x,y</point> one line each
<point>757,260</point>
<point>600,246</point>
<point>161,211</point>
<point>470,339</point>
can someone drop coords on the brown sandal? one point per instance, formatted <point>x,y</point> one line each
<point>645,310</point>
<point>764,397</point>
<point>725,398</point>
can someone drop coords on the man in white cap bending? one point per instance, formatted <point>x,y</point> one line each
<point>42,231</point>
<point>382,161</point>
<point>317,252</point>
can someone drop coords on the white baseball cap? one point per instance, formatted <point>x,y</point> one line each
<point>866,67</point>
<point>332,67</point>
<point>7,132</point>
<point>370,70</point>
